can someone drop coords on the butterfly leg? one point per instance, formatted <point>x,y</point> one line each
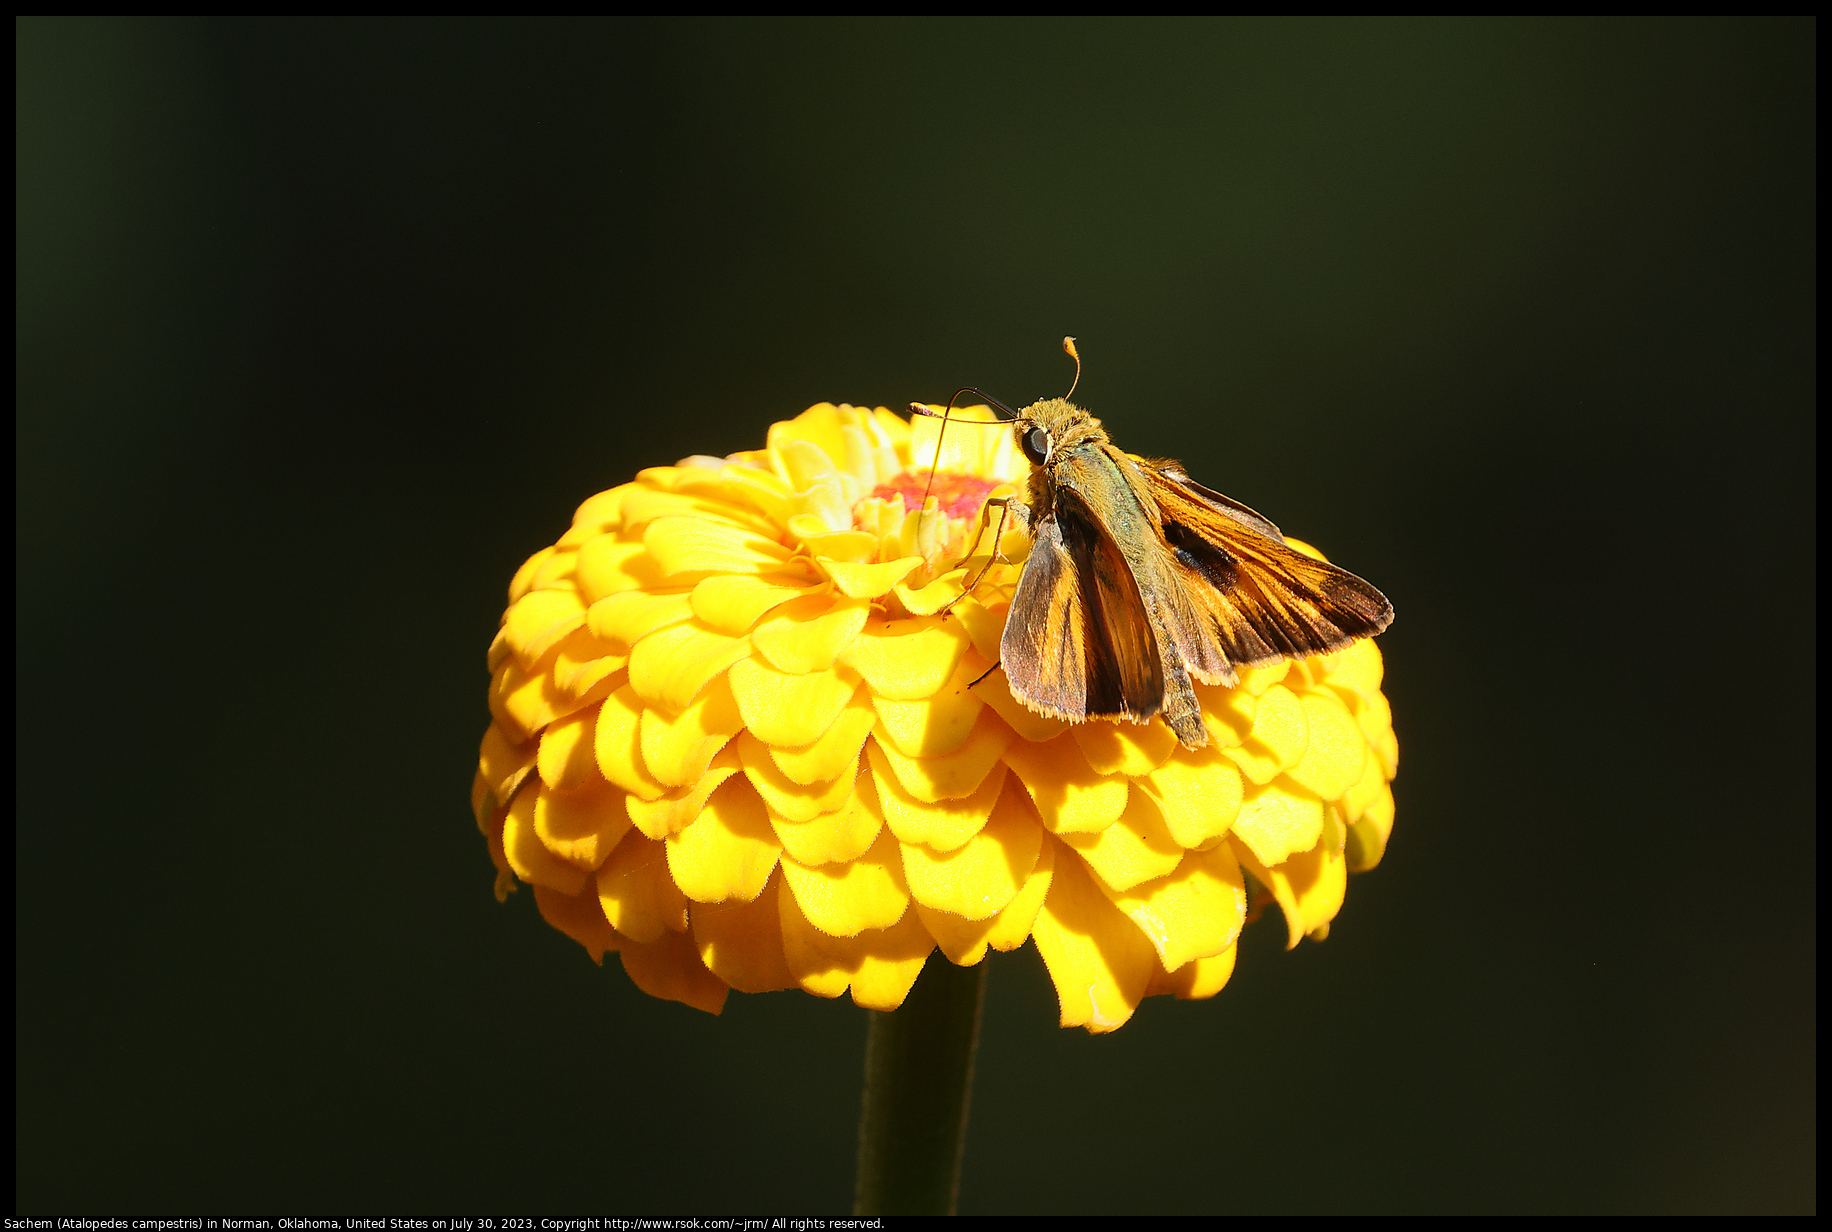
<point>989,671</point>
<point>1010,507</point>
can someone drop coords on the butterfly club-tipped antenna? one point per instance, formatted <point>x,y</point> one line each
<point>1068,344</point>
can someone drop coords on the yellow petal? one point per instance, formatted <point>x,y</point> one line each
<point>1367,837</point>
<point>529,857</point>
<point>677,751</point>
<point>868,581</point>
<point>1279,737</point>
<point>1335,754</point>
<point>1276,883</point>
<point>670,666</point>
<point>879,966</point>
<point>1256,680</point>
<point>809,444</point>
<point>1319,878</point>
<point>577,534</point>
<point>941,824</point>
<point>631,615</point>
<point>862,450</point>
<point>1011,928</point>
<point>539,620</point>
<point>961,939</point>
<point>616,745</point>
<point>674,810</point>
<point>844,900</point>
<point>690,548</point>
<point>930,599</point>
<point>732,603</point>
<point>1124,748</point>
<point>1135,849</point>
<point>491,824</point>
<point>1227,713</point>
<point>979,879</point>
<point>807,634</point>
<point>984,623</point>
<point>607,565</point>
<point>951,775</point>
<point>907,659</point>
<point>837,752</point>
<point>785,798</point>
<point>892,430</point>
<point>584,663</point>
<point>844,546</point>
<point>504,763</point>
<point>526,702</point>
<point>523,581</point>
<point>581,827</point>
<point>482,802</point>
<point>1277,820</point>
<point>635,892</point>
<point>1198,791</point>
<point>559,571</point>
<point>1386,748</point>
<point>1192,912</point>
<point>1356,799</point>
<point>761,490</point>
<point>1097,958</point>
<point>669,968</point>
<point>965,941</point>
<point>741,943</point>
<point>790,710</point>
<point>995,691</point>
<point>645,506</point>
<point>599,513</point>
<point>958,449</point>
<point>938,724</point>
<point>844,834</point>
<point>566,760</point>
<point>1375,717</point>
<point>728,851</point>
<point>1357,669</point>
<point>1070,796</point>
<point>1306,675</point>
<point>577,916</point>
<point>1203,977</point>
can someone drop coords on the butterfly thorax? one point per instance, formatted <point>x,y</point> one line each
<point>1070,431</point>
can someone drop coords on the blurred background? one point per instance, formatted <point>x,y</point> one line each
<point>324,326</point>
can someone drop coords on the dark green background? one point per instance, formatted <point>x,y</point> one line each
<point>324,326</point>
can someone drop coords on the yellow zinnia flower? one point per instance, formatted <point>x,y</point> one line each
<point>738,741</point>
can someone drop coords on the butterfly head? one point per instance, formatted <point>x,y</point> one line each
<point>1051,427</point>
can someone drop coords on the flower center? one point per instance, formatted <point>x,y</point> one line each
<point>959,495</point>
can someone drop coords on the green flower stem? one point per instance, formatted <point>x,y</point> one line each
<point>918,1078</point>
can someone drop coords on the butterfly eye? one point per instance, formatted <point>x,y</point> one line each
<point>1036,445</point>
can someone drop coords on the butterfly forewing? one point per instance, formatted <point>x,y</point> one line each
<point>1255,598</point>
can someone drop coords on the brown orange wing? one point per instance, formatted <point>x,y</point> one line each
<point>1077,644</point>
<point>1255,599</point>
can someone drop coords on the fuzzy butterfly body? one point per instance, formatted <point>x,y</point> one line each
<point>1141,581</point>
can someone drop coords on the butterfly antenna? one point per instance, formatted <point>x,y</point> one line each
<point>1068,344</point>
<point>916,408</point>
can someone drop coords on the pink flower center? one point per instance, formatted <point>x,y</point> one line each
<point>960,496</point>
